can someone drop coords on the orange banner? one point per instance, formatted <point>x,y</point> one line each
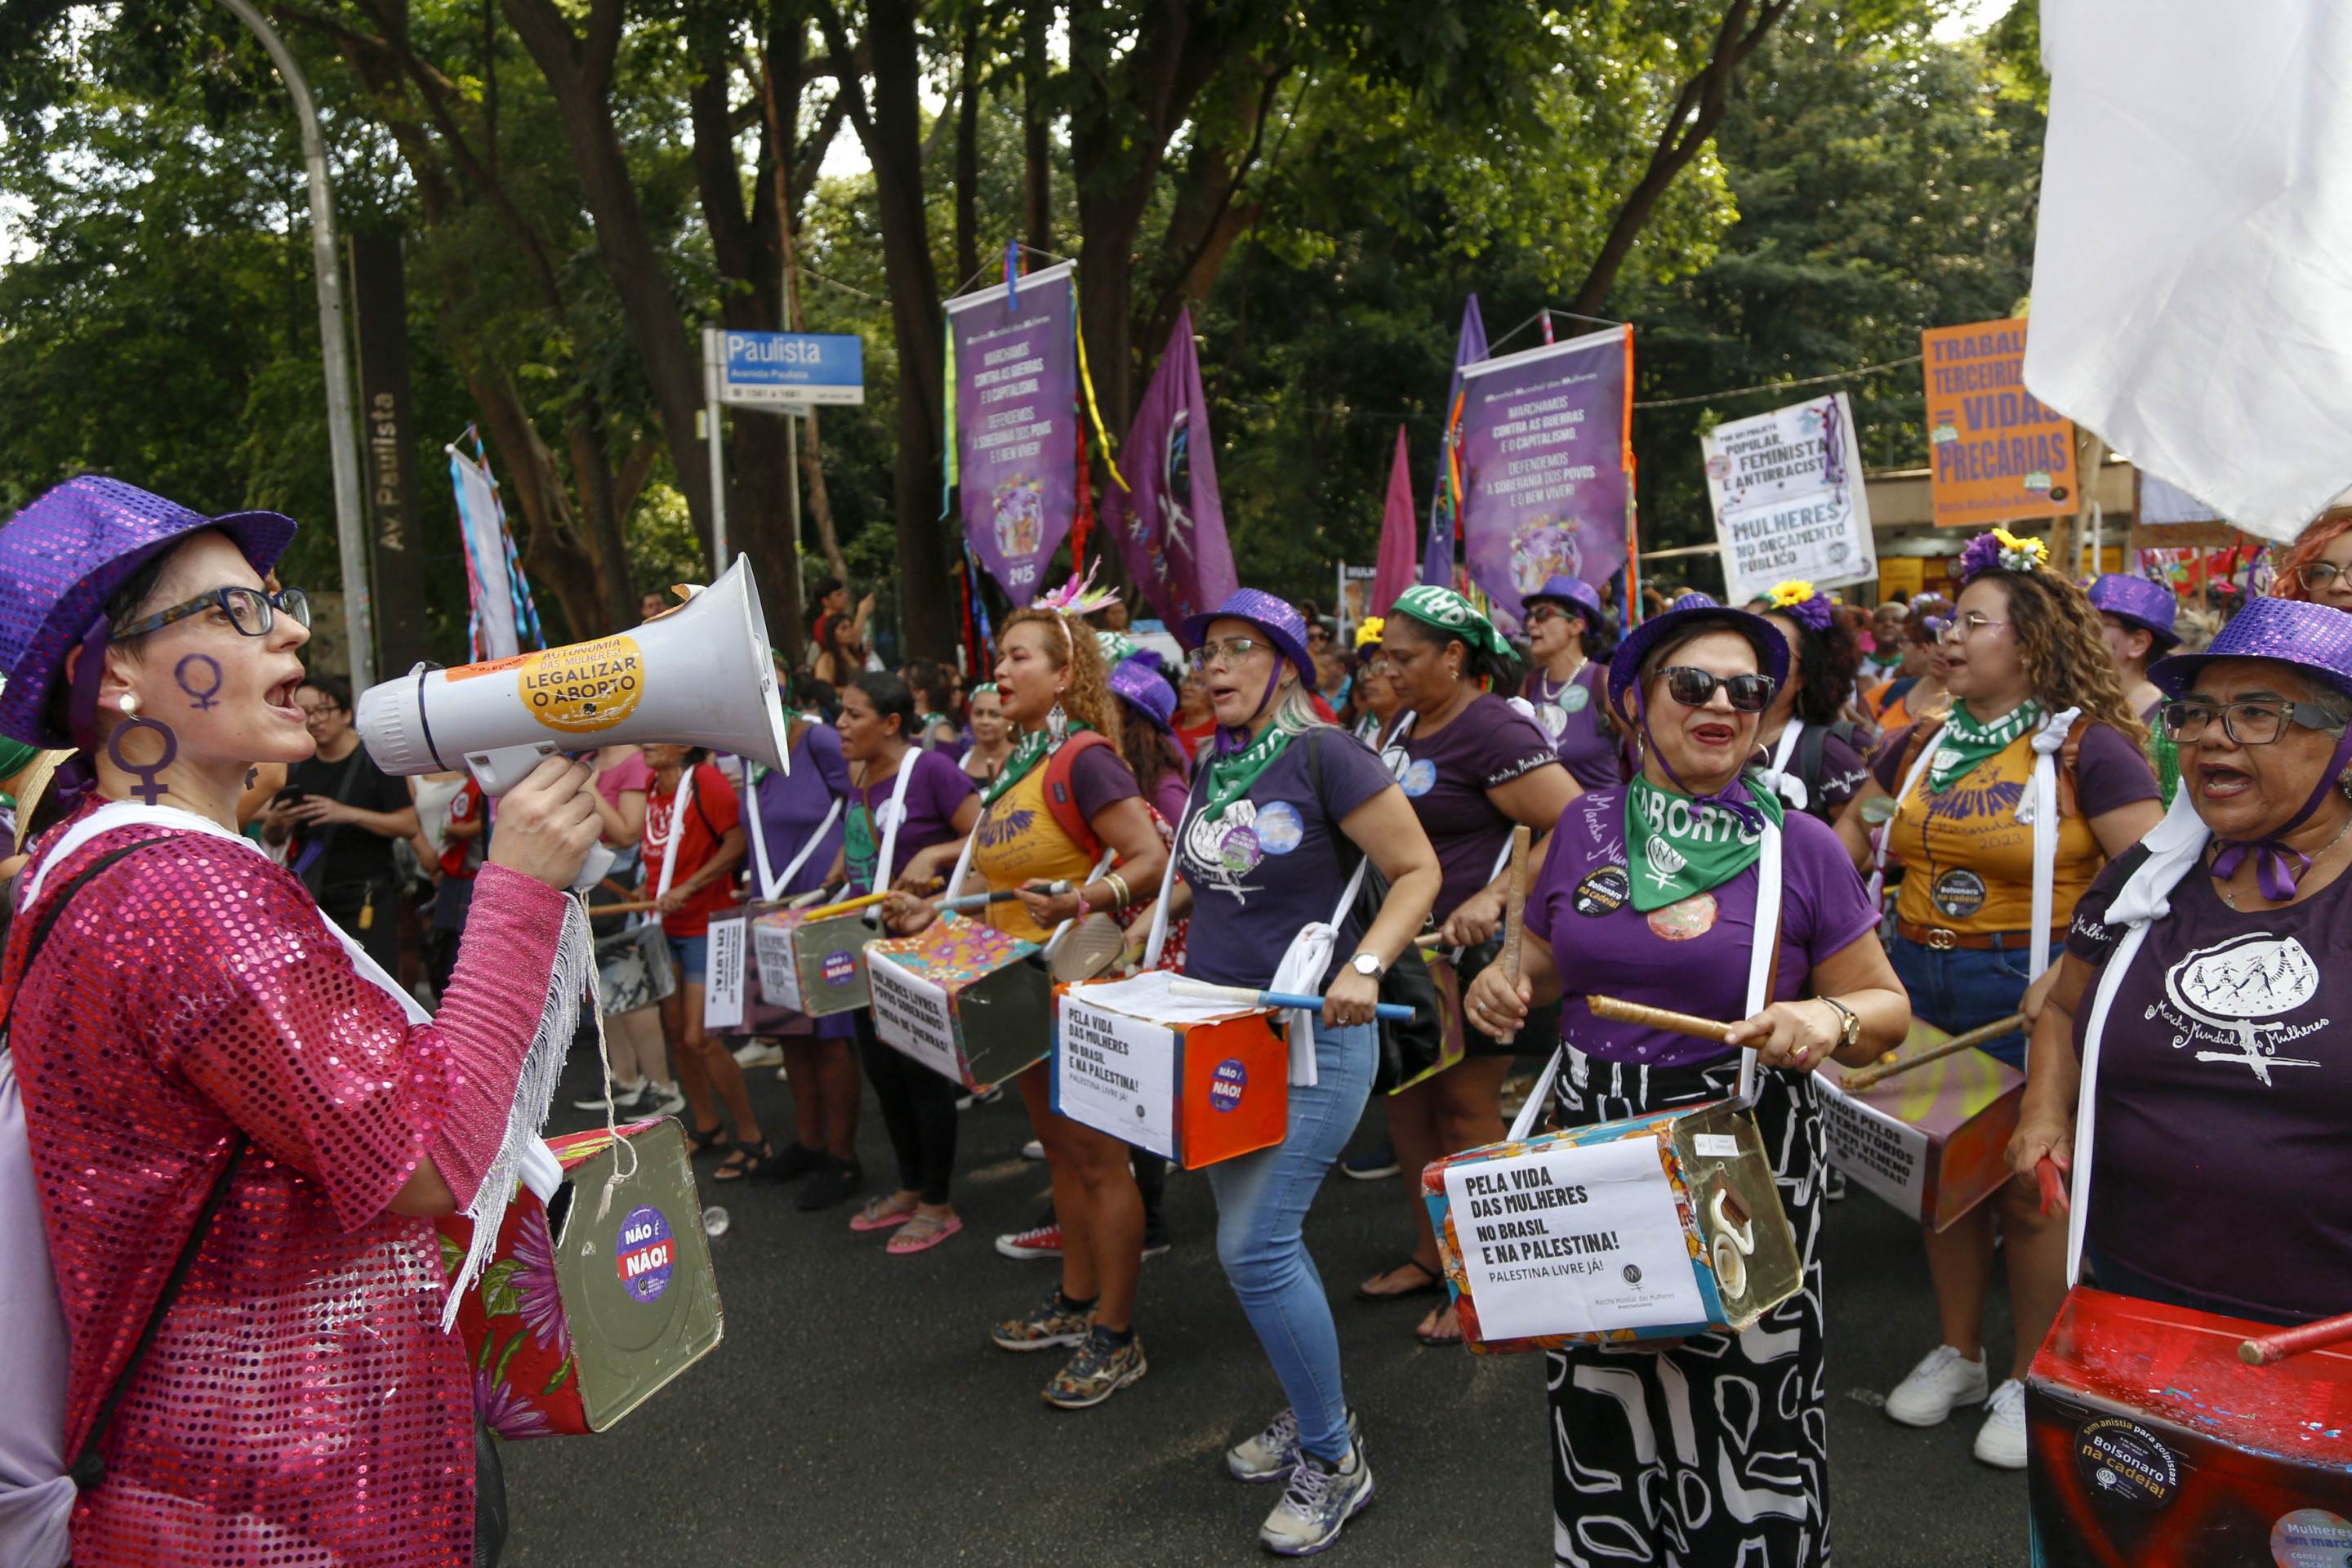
<point>1998,453</point>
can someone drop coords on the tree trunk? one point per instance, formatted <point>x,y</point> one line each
<point>967,156</point>
<point>1036,145</point>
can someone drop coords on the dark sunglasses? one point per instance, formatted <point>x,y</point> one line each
<point>1695,688</point>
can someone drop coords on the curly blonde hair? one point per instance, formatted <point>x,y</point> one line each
<point>2309,546</point>
<point>1088,700</point>
<point>2060,643</point>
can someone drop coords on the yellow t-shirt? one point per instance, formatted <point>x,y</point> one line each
<point>1968,861</point>
<point>1019,842</point>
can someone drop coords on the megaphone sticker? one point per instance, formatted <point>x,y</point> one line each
<point>584,687</point>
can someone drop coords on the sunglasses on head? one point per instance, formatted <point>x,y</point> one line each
<point>1695,688</point>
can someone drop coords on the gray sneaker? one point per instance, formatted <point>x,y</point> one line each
<point>1274,1453</point>
<point>1319,1502</point>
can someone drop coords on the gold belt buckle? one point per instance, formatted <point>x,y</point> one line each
<point>1940,940</point>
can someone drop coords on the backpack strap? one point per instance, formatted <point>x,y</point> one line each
<point>1062,799</point>
<point>1811,742</point>
<point>2070,761</point>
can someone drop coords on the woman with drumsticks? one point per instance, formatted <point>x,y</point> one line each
<point>1471,767</point>
<point>1051,681</point>
<point>2216,952</point>
<point>2038,716</point>
<point>1284,810</point>
<point>1651,894</point>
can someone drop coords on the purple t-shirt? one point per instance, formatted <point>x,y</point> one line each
<point>1837,776</point>
<point>1446,777</point>
<point>2109,771</point>
<point>791,806</point>
<point>1571,715</point>
<point>1275,860</point>
<point>2223,1167</point>
<point>1691,956</point>
<point>933,793</point>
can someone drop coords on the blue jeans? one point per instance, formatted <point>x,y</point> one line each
<point>1962,988</point>
<point>693,955</point>
<point>1262,1204</point>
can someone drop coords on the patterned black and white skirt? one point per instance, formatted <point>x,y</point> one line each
<point>1712,1453</point>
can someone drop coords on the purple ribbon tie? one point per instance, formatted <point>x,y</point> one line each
<point>2278,870</point>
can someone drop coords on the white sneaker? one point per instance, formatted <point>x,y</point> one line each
<point>1944,1378</point>
<point>753,1054</point>
<point>2000,1441</point>
<point>1032,1150</point>
<point>626,1097</point>
<point>664,1101</point>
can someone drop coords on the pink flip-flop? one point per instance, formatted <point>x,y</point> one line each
<point>877,1215</point>
<point>910,1241</point>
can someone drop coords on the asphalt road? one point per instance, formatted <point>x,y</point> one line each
<point>856,1413</point>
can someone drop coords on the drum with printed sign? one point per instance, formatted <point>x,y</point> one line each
<point>2148,1441</point>
<point>634,971</point>
<point>1191,1081</point>
<point>1931,1141</point>
<point>588,1308</point>
<point>1653,1226</point>
<point>967,1001</point>
<point>813,966</point>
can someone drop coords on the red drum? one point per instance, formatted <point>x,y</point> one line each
<point>2150,1442</point>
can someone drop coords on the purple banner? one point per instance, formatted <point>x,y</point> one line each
<point>1437,555</point>
<point>1172,529</point>
<point>1015,389</point>
<point>1546,474</point>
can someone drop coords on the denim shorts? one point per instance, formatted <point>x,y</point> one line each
<point>693,955</point>
<point>1958,989</point>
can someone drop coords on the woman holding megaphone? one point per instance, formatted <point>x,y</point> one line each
<point>1064,799</point>
<point>237,1125</point>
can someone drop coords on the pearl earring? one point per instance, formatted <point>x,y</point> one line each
<point>128,703</point>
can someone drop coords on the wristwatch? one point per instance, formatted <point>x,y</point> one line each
<point>1367,965</point>
<point>1849,1022</point>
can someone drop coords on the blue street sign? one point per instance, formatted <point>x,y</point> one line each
<point>790,369</point>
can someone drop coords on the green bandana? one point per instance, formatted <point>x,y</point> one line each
<point>1964,742</point>
<point>1673,856</point>
<point>1033,745</point>
<point>1450,612</point>
<point>1230,777</point>
<point>859,851</point>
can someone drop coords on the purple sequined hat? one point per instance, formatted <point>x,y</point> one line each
<point>2149,605</point>
<point>1271,616</point>
<point>2314,639</point>
<point>1771,649</point>
<point>1139,685</point>
<point>62,558</point>
<point>1573,590</point>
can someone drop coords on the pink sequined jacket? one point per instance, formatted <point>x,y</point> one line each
<point>301,1405</point>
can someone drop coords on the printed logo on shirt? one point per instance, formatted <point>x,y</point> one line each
<point>1603,891</point>
<point>1684,919</point>
<point>1575,698</point>
<point>888,815</point>
<point>1958,894</point>
<point>1553,717</point>
<point>2231,998</point>
<point>1518,769</point>
<point>1421,778</point>
<point>1278,827</point>
<point>1218,855</point>
<point>644,1253</point>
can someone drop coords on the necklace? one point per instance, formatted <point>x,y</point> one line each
<point>2232,898</point>
<point>1546,692</point>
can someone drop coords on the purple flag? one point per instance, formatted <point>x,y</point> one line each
<point>1171,529</point>
<point>1437,557</point>
<point>1547,466</point>
<point>1394,574</point>
<point>1015,388</point>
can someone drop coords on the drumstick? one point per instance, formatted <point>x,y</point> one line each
<point>1243,996</point>
<point>2053,1184</point>
<point>637,907</point>
<point>828,910</point>
<point>1665,1018</point>
<point>1878,1071</point>
<point>971,901</point>
<point>2269,1350</point>
<point>1515,909</point>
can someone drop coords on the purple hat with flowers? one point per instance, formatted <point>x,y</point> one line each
<point>1141,686</point>
<point>2149,605</point>
<point>2314,639</point>
<point>1269,615</point>
<point>1566,589</point>
<point>62,558</point>
<point>1771,649</point>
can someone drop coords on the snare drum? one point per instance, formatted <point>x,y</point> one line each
<point>1932,1141</point>
<point>967,1001</point>
<point>1191,1081</point>
<point>634,971</point>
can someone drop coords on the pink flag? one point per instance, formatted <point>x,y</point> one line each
<point>1395,571</point>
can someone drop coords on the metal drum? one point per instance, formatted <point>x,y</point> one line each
<point>634,971</point>
<point>965,999</point>
<point>813,967</point>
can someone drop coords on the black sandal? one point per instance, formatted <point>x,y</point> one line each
<point>748,1161</point>
<point>1432,1283</point>
<point>709,1141</point>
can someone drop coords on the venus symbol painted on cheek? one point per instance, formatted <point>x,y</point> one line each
<point>204,663</point>
<point>146,789</point>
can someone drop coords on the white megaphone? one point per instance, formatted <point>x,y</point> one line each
<point>701,675</point>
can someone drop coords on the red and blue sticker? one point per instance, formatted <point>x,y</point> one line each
<point>840,968</point>
<point>646,1253</point>
<point>1225,1086</point>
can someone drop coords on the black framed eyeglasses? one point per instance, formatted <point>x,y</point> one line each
<point>249,610</point>
<point>1695,688</point>
<point>2248,724</point>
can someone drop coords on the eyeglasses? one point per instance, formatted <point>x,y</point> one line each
<point>1233,650</point>
<point>2248,724</point>
<point>1537,615</point>
<point>249,610</point>
<point>1379,663</point>
<point>1961,628</point>
<point>316,709</point>
<point>2320,574</point>
<point>1695,688</point>
<point>1316,636</point>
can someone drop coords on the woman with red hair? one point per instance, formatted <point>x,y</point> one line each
<point>2319,565</point>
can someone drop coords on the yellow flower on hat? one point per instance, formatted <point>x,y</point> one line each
<point>1370,632</point>
<point>1788,595</point>
<point>2013,547</point>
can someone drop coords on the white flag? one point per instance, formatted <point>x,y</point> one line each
<point>486,559</point>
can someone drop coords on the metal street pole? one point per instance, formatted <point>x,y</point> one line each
<point>342,438</point>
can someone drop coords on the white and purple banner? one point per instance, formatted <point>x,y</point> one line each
<point>1547,468</point>
<point>1013,376</point>
<point>1789,500</point>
